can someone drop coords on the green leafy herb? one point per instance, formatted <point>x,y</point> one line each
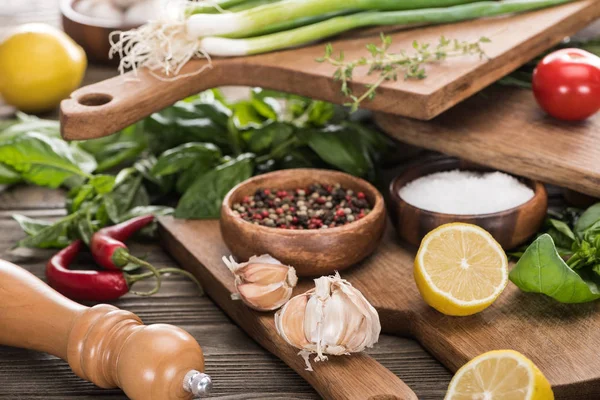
<point>51,236</point>
<point>390,66</point>
<point>542,270</point>
<point>203,199</point>
<point>45,161</point>
<point>186,156</point>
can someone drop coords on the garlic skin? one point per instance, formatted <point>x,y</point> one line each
<point>263,283</point>
<point>333,318</point>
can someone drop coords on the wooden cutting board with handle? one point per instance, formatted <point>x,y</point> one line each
<point>560,339</point>
<point>106,107</point>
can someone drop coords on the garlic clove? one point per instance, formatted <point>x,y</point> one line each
<point>263,283</point>
<point>264,298</point>
<point>264,274</point>
<point>289,321</point>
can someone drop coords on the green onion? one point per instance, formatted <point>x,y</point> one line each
<point>236,47</point>
<point>257,26</point>
<point>246,23</point>
<point>215,6</point>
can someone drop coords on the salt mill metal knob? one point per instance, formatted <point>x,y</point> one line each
<point>104,345</point>
<point>197,383</point>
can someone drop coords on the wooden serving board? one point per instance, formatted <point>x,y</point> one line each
<point>105,107</point>
<point>504,128</point>
<point>560,339</point>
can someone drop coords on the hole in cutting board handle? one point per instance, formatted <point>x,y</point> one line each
<point>94,99</point>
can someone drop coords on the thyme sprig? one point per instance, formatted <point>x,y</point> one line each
<point>391,65</point>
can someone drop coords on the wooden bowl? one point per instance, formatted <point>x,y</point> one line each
<point>90,33</point>
<point>312,252</point>
<point>510,228</point>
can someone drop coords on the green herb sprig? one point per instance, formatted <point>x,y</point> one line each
<point>392,65</point>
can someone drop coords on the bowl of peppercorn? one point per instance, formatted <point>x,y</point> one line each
<point>318,221</point>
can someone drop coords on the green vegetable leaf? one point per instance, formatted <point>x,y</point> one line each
<point>563,228</point>
<point>203,199</point>
<point>338,146</point>
<point>587,219</point>
<point>85,228</point>
<point>8,175</point>
<point>187,122</point>
<point>52,236</point>
<point>102,184</point>
<point>186,156</point>
<point>42,160</point>
<point>542,270</point>
<point>29,225</point>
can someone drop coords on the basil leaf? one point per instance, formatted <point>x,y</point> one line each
<point>102,184</point>
<point>186,122</point>
<point>78,196</point>
<point>338,146</point>
<point>203,199</point>
<point>146,210</point>
<point>562,227</point>
<point>8,176</point>
<point>29,225</point>
<point>542,270</point>
<point>187,177</point>
<point>85,228</point>
<point>185,156</point>
<point>587,219</point>
<point>52,236</point>
<point>41,160</point>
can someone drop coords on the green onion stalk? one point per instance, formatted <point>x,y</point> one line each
<point>247,23</point>
<point>194,31</point>
<point>218,46</point>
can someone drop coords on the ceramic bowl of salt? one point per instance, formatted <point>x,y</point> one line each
<point>442,190</point>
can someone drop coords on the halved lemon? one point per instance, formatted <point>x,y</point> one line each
<point>499,375</point>
<point>460,269</point>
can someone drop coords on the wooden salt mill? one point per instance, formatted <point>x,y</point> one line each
<point>102,344</point>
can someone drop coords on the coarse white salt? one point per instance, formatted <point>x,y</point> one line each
<point>466,192</point>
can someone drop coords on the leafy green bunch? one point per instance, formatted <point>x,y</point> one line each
<point>564,261</point>
<point>189,155</point>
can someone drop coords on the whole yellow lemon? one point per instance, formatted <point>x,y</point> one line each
<point>39,66</point>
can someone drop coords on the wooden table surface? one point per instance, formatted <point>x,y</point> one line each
<point>239,367</point>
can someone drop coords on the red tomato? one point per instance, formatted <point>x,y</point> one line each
<point>566,84</point>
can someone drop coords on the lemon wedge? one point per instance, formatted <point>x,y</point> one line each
<point>499,375</point>
<point>460,269</point>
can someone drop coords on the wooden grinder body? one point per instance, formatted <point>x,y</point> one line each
<point>102,344</point>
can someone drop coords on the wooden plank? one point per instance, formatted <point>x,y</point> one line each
<point>240,368</point>
<point>556,337</point>
<point>515,40</point>
<point>505,129</point>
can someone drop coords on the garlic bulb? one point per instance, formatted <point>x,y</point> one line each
<point>333,318</point>
<point>263,283</point>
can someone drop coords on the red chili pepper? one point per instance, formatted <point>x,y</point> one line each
<point>107,244</point>
<point>95,285</point>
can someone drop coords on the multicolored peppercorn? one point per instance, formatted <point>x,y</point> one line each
<point>316,207</point>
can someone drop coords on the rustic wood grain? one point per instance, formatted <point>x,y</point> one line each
<point>511,228</point>
<point>106,107</point>
<point>505,129</point>
<point>556,337</point>
<point>241,369</point>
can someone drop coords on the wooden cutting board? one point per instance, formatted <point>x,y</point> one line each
<point>106,107</point>
<point>504,128</point>
<point>560,339</point>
